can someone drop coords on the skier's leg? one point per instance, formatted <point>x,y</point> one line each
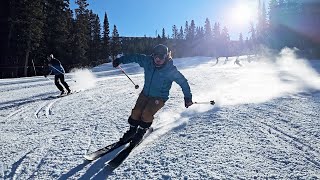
<point>143,127</point>
<point>152,107</point>
<point>138,108</point>
<point>56,82</point>
<point>64,83</point>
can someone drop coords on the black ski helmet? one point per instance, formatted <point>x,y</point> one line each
<point>160,50</point>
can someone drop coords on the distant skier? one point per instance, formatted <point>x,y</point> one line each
<point>217,61</point>
<point>159,73</point>
<point>58,71</point>
<point>237,61</point>
<point>226,60</point>
<point>249,58</point>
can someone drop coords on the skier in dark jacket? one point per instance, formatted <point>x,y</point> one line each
<point>58,71</point>
<point>159,73</point>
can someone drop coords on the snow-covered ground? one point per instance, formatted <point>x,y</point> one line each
<point>265,123</point>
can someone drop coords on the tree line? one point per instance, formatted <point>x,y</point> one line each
<point>31,30</point>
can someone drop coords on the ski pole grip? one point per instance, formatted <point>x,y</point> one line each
<point>210,102</point>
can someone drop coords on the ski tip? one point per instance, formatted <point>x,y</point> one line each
<point>88,158</point>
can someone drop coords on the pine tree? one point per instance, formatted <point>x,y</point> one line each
<point>198,41</point>
<point>216,32</point>
<point>181,35</point>
<point>240,48</point>
<point>192,30</point>
<point>27,29</point>
<point>207,30</point>
<point>106,38</point>
<point>4,33</point>
<point>208,39</point>
<point>241,39</point>
<point>57,29</point>
<point>225,34</point>
<point>253,38</point>
<point>115,44</point>
<point>81,33</point>
<point>186,30</point>
<point>174,32</point>
<point>225,37</point>
<point>273,6</point>
<point>163,34</point>
<point>68,46</point>
<point>95,39</point>
<point>262,23</point>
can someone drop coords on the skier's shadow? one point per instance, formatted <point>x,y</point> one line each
<point>98,169</point>
<point>74,170</point>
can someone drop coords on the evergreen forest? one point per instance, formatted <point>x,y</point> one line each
<point>31,30</point>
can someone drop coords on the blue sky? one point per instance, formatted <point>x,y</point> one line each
<point>148,17</point>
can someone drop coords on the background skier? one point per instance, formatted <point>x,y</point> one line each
<point>57,70</point>
<point>159,73</point>
<point>237,61</point>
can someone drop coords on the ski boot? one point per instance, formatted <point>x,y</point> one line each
<point>129,134</point>
<point>138,136</point>
<point>62,93</point>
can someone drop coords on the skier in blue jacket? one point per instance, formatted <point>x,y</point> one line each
<point>159,73</point>
<point>58,71</point>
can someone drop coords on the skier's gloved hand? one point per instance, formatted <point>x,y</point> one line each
<point>45,75</point>
<point>187,102</point>
<point>116,62</point>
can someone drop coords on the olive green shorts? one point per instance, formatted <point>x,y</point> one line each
<point>146,108</point>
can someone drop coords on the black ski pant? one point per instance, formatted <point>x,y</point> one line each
<point>61,78</point>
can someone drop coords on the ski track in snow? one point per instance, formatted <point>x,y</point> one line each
<point>1,170</point>
<point>260,127</point>
<point>308,151</point>
<point>29,164</point>
<point>15,112</point>
<point>36,113</point>
<point>46,107</point>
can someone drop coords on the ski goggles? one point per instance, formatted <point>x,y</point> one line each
<point>160,56</point>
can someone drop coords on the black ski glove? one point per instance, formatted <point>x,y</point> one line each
<point>116,62</point>
<point>187,102</point>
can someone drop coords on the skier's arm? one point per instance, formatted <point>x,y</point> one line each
<point>45,75</point>
<point>141,59</point>
<point>183,83</point>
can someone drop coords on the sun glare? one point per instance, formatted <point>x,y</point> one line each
<point>242,14</point>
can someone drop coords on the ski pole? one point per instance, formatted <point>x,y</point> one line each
<point>56,69</point>
<point>209,102</point>
<point>136,86</point>
<point>49,79</point>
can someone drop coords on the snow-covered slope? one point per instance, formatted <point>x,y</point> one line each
<point>265,123</point>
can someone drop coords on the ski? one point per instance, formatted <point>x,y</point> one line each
<point>64,95</point>
<point>103,151</point>
<point>116,161</point>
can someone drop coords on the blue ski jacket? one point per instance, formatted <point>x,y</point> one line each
<point>56,67</point>
<point>158,81</point>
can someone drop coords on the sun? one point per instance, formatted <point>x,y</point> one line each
<point>242,14</point>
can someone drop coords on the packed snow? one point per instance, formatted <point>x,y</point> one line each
<point>265,123</point>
